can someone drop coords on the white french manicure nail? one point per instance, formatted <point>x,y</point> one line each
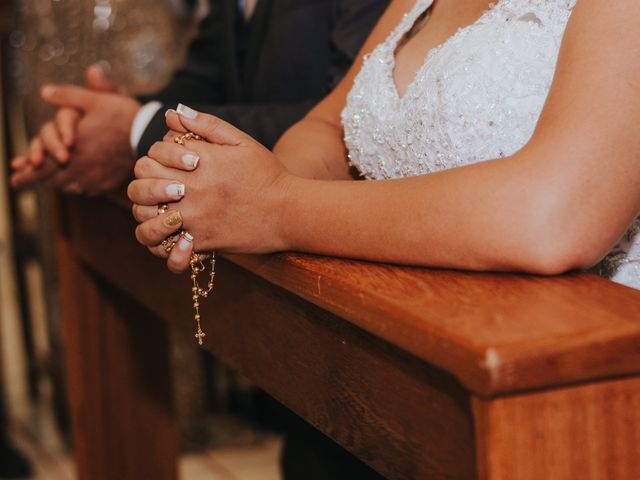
<point>185,241</point>
<point>186,111</point>
<point>168,112</point>
<point>175,189</point>
<point>190,160</point>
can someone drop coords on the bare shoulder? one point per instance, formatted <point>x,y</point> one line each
<point>596,82</point>
<point>603,25</point>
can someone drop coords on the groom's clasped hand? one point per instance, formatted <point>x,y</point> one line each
<point>225,190</point>
<point>85,147</point>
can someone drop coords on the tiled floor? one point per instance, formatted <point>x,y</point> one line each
<point>49,461</point>
<point>257,461</point>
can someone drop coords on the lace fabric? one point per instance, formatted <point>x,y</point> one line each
<point>477,96</point>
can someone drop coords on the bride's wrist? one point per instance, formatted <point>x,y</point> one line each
<point>287,188</point>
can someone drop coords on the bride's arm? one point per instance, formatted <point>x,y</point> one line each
<point>559,203</point>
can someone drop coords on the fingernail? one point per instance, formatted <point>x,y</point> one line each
<point>185,241</point>
<point>186,111</point>
<point>171,110</point>
<point>172,219</point>
<point>175,189</point>
<point>47,90</point>
<point>190,160</point>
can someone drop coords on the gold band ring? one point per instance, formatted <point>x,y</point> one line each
<point>170,242</point>
<point>182,139</point>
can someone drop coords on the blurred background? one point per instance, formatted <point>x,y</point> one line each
<point>229,430</point>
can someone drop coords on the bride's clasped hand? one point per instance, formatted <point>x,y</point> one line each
<point>226,191</point>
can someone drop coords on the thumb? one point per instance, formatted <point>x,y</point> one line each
<point>97,79</point>
<point>209,127</point>
<point>68,96</point>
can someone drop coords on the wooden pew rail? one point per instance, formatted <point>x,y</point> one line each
<point>423,374</point>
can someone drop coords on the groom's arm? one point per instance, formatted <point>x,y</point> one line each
<point>353,20</point>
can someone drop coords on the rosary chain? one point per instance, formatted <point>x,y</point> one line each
<point>196,264</point>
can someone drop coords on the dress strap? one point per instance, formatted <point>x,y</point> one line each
<point>408,21</point>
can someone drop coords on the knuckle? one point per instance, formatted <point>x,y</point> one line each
<point>139,232</point>
<point>135,210</point>
<point>141,168</point>
<point>138,169</point>
<point>212,125</point>
<point>131,191</point>
<point>155,149</point>
<point>156,232</point>
<point>149,234</point>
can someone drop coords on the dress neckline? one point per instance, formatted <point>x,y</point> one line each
<point>408,22</point>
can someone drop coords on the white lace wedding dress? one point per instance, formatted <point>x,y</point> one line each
<point>478,96</point>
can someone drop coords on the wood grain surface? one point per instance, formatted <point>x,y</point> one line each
<point>586,432</point>
<point>496,333</point>
<point>117,380</point>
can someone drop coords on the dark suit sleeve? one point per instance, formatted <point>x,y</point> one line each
<point>354,19</point>
<point>201,79</point>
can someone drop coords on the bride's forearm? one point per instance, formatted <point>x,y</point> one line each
<point>313,148</point>
<point>489,216</point>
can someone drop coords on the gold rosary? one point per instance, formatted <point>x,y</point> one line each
<point>197,291</point>
<point>196,263</point>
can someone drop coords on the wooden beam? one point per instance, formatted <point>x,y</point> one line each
<point>118,380</point>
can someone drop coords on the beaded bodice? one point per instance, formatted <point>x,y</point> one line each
<point>477,96</point>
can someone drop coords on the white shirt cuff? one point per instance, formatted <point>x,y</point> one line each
<point>141,122</point>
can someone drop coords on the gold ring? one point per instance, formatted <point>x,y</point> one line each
<point>162,208</point>
<point>181,139</point>
<point>170,242</point>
